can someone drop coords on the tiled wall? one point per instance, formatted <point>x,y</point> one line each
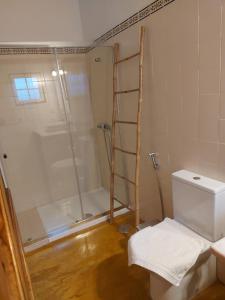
<point>184,93</point>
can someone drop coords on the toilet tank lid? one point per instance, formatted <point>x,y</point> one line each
<point>201,182</point>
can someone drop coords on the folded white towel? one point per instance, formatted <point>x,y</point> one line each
<point>168,249</point>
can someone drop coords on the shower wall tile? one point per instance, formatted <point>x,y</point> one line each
<point>190,155</point>
<point>189,34</point>
<point>222,80</point>
<point>222,131</point>
<point>222,101</point>
<point>158,110</point>
<point>221,162</point>
<point>208,152</point>
<point>209,45</point>
<point>210,170</point>
<point>208,118</point>
<point>190,122</point>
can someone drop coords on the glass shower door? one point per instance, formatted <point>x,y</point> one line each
<point>35,146</point>
<point>87,83</point>
<point>75,82</point>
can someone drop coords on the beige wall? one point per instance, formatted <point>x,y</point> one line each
<point>183,116</point>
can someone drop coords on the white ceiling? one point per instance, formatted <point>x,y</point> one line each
<point>98,16</point>
<point>62,22</point>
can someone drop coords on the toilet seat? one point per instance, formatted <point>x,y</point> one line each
<point>169,249</point>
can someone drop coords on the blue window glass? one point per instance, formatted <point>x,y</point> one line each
<point>32,82</point>
<point>23,95</point>
<point>20,83</point>
<point>34,94</point>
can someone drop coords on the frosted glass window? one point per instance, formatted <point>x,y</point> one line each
<point>28,89</point>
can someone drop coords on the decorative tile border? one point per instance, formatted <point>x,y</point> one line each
<point>18,51</point>
<point>144,13</point>
<point>72,50</point>
<point>43,50</point>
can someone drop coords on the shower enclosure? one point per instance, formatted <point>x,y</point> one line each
<point>53,154</point>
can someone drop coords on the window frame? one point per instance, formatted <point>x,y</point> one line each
<point>40,87</point>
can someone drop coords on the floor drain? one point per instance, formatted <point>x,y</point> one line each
<point>124,228</point>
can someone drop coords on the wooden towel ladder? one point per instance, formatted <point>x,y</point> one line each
<point>137,123</point>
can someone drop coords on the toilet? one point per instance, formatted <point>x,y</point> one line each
<point>199,214</point>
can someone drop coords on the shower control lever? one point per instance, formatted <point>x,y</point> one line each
<point>5,156</point>
<point>153,157</point>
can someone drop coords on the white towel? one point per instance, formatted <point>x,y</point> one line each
<point>168,249</point>
<point>219,248</point>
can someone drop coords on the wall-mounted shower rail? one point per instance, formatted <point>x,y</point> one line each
<point>116,93</point>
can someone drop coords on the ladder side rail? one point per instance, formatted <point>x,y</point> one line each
<point>138,133</point>
<point>112,181</point>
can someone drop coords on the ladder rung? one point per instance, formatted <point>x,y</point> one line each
<point>127,91</point>
<point>121,203</point>
<point>125,178</point>
<point>124,151</point>
<point>127,58</point>
<point>125,122</point>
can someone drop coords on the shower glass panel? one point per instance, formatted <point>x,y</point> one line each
<point>35,145</point>
<point>100,61</point>
<point>55,137</point>
<point>80,100</point>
